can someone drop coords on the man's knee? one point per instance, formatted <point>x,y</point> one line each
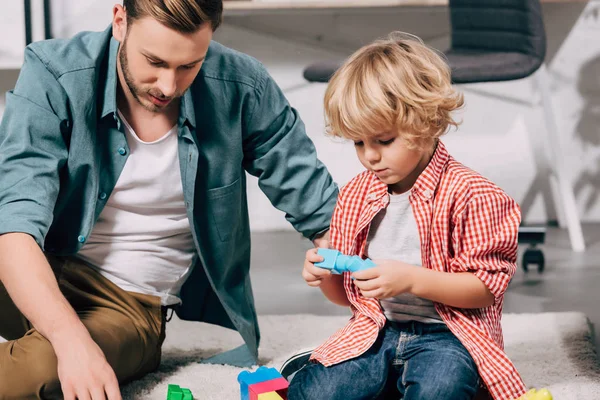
<point>44,366</point>
<point>29,368</point>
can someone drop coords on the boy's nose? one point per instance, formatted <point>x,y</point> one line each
<point>372,155</point>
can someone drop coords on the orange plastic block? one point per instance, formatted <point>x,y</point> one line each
<point>277,385</point>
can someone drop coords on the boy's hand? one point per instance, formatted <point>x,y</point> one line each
<point>312,274</point>
<point>388,278</point>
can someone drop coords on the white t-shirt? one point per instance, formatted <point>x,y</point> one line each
<point>394,235</point>
<point>142,240</point>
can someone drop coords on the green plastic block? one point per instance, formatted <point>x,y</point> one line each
<point>178,393</point>
<point>187,394</point>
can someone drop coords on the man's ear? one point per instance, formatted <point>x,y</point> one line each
<point>119,23</point>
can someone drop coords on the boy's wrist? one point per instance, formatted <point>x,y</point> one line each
<point>415,278</point>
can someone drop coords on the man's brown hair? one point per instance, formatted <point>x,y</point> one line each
<point>185,16</point>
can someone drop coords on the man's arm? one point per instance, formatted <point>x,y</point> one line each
<point>31,284</point>
<point>322,239</point>
<point>278,151</point>
<point>32,152</point>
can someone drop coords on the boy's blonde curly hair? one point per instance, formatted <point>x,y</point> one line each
<point>393,84</point>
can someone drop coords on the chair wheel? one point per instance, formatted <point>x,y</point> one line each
<point>533,256</point>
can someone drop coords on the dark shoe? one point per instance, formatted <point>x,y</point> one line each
<point>294,364</point>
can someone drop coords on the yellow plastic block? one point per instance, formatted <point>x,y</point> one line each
<point>533,394</point>
<point>269,396</point>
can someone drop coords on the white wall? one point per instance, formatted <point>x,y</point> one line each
<point>503,132</point>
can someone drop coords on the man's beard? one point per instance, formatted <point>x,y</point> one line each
<point>138,92</point>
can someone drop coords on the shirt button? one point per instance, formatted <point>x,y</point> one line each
<point>102,196</point>
<point>374,207</point>
<point>122,151</point>
<point>371,196</point>
<point>81,239</point>
<point>428,193</point>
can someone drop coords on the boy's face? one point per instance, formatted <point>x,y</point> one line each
<point>157,63</point>
<point>389,157</point>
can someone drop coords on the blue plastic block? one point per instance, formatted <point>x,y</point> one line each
<point>329,258</point>
<point>339,263</point>
<point>262,374</point>
<point>358,264</point>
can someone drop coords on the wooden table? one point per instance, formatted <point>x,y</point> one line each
<point>257,5</point>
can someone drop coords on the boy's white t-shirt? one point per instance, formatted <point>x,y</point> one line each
<point>142,240</point>
<point>394,235</point>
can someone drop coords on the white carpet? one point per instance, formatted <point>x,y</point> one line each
<point>552,350</point>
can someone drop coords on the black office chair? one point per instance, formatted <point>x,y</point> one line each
<point>47,20</point>
<point>502,40</point>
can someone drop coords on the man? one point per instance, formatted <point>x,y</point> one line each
<point>122,157</point>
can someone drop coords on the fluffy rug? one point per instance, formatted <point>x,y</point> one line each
<point>552,350</point>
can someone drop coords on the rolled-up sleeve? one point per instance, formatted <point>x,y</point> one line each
<point>485,239</point>
<point>32,150</point>
<point>278,151</point>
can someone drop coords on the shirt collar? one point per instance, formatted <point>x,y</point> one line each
<point>429,179</point>
<point>109,104</point>
<point>426,183</point>
<point>186,108</point>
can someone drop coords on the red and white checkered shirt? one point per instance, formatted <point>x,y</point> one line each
<point>466,224</point>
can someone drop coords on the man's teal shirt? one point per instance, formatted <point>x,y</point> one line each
<point>63,147</point>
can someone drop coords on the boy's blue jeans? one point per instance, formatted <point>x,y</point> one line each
<point>410,361</point>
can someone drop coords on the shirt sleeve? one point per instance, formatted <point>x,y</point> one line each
<point>32,150</point>
<point>336,233</point>
<point>278,152</point>
<point>485,238</point>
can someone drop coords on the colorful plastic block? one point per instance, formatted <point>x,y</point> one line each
<point>270,396</point>
<point>339,263</point>
<point>278,385</point>
<point>178,393</point>
<point>262,374</point>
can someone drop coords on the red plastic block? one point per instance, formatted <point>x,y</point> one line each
<point>278,385</point>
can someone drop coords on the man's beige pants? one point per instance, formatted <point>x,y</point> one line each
<point>128,327</point>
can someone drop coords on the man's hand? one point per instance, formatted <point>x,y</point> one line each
<point>83,370</point>
<point>312,274</point>
<point>388,278</point>
<point>322,240</point>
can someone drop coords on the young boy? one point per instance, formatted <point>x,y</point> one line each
<point>426,318</point>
